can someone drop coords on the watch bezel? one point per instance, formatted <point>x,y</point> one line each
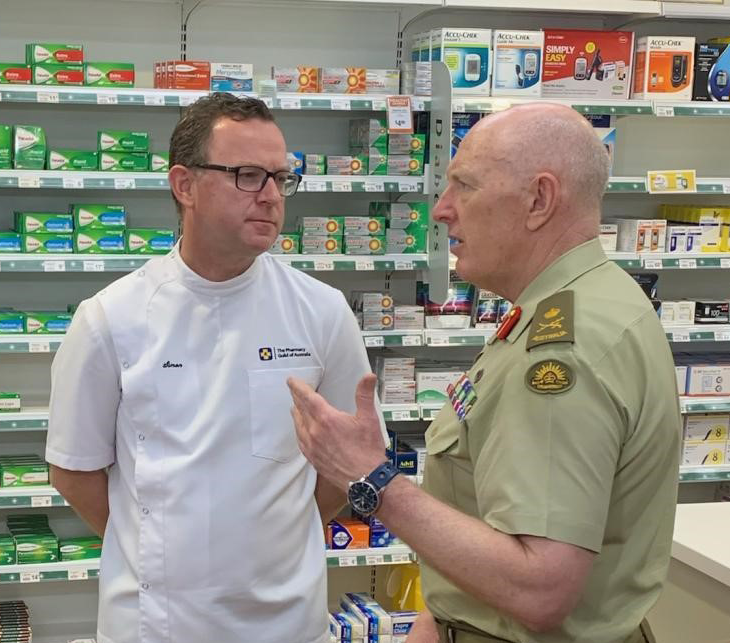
<point>359,492</point>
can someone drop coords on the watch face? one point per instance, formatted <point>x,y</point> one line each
<point>363,497</point>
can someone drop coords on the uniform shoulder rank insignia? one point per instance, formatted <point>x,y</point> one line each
<point>550,376</point>
<point>553,321</point>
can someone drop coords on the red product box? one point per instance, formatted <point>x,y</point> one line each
<point>190,74</point>
<point>17,74</point>
<point>580,63</point>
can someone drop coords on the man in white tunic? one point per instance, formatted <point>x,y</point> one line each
<point>170,430</point>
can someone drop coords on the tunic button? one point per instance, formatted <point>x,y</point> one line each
<point>479,375</point>
<point>145,511</point>
<point>125,364</point>
<point>141,437</point>
<point>145,586</point>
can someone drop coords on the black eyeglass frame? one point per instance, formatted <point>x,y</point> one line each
<point>267,175</point>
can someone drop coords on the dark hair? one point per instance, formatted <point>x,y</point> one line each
<point>189,140</point>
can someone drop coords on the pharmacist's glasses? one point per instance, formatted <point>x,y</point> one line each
<point>250,178</point>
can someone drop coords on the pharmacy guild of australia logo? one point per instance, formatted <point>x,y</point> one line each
<point>266,353</point>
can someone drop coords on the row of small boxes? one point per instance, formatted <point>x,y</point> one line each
<point>15,621</point>
<point>24,147</point>
<point>63,64</point>
<point>713,222</point>
<point>378,311</point>
<point>90,241</point>
<point>706,439</point>
<point>203,75</point>
<point>358,532</point>
<point>370,162</point>
<point>34,323</point>
<point>336,80</point>
<point>363,620</point>
<point>393,241</point>
<point>396,380</point>
<point>708,378</point>
<point>382,153</point>
<point>23,471</point>
<point>683,313</point>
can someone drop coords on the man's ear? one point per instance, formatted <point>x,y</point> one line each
<point>544,198</point>
<point>181,184</point>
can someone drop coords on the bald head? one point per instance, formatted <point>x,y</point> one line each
<point>551,138</point>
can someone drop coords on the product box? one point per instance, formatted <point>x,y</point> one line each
<point>368,301</point>
<point>9,402</point>
<point>295,161</point>
<point>467,54</point>
<point>369,132</point>
<point>664,65</point>
<point>677,313</point>
<point>364,226</point>
<point>517,63</point>
<point>6,147</point>
<point>9,242</point>
<point>142,241</point>
<point>377,320</point>
<point>641,235</point>
<point>402,624</point>
<point>395,368</point>
<point>708,380</point>
<point>405,165</point>
<point>92,215</point>
<point>401,216</point>
<point>29,148</point>
<point>16,74</point>
<point>43,222</point>
<point>82,548</point>
<point>402,242</point>
<point>408,317</point>
<point>376,159</point>
<point>346,628</point>
<point>189,74</point>
<point>587,63</point>
<point>347,533</point>
<point>98,241</point>
<point>315,164</point>
<point>608,236</point>
<point>487,308</point>
<point>302,79</point>
<point>403,457</point>
<point>36,548</point>
<point>709,454</point>
<point>707,427</point>
<point>365,245</point>
<point>44,52</point>
<point>322,225</point>
<point>123,162</point>
<point>712,312</point>
<point>431,386</point>
<point>50,74</point>
<point>109,74</point>
<point>407,144</point>
<point>47,323</point>
<point>712,72</point>
<point>318,244</point>
<point>397,392</point>
<point>343,80</point>
<point>681,374</point>
<point>17,473</point>
<point>378,622</point>
<point>347,165</point>
<point>109,140</point>
<point>286,244</point>
<point>231,77</point>
<point>382,81</point>
<point>12,321</point>
<point>7,550</point>
<point>65,159</point>
<point>45,243</point>
<point>159,161</point>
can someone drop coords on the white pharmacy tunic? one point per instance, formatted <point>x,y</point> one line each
<point>178,384</point>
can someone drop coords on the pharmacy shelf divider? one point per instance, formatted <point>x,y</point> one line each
<point>393,555</point>
<point>638,8</point>
<point>23,497</point>
<point>31,419</point>
<point>43,572</point>
<point>704,474</point>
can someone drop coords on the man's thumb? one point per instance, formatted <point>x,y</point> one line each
<point>365,396</point>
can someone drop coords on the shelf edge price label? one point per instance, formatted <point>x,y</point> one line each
<point>73,183</point>
<point>458,106</point>
<point>438,340</point>
<point>290,103</point>
<point>316,186</point>
<point>726,187</point>
<point>407,187</point>
<point>722,335</point>
<point>78,574</point>
<point>185,100</point>
<point>54,266</point>
<point>341,103</point>
<point>94,266</point>
<point>124,184</point>
<point>41,501</point>
<point>725,262</point>
<point>341,186</point>
<point>666,111</point>
<point>30,182</point>
<point>348,561</point>
<point>672,182</point>
<point>412,340</point>
<point>379,105</point>
<point>374,341</point>
<point>375,559</point>
<point>40,346</point>
<point>404,264</point>
<point>653,264</point>
<point>106,99</point>
<point>681,336</point>
<point>401,558</point>
<point>365,264</point>
<point>154,100</point>
<point>375,186</point>
<point>30,577</point>
<point>400,416</point>
<point>686,264</point>
<point>47,97</point>
<point>324,264</point>
<point>400,115</point>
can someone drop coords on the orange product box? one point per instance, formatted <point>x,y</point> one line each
<point>305,80</point>
<point>344,80</point>
<point>348,533</point>
<point>190,74</point>
<point>664,65</point>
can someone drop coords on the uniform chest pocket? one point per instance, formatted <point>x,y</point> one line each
<point>272,429</point>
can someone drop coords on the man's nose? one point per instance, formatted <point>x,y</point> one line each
<point>443,211</point>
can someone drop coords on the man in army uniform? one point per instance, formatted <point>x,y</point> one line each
<point>547,508</point>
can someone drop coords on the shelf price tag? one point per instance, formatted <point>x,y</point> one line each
<point>124,184</point>
<point>379,105</point>
<point>341,103</point>
<point>324,264</point>
<point>78,574</point>
<point>412,340</point>
<point>290,103</point>
<point>375,559</point>
<point>341,186</point>
<point>94,266</point>
<point>439,340</point>
<point>407,187</point>
<point>726,187</point>
<point>400,115</point>
<point>348,561</point>
<point>54,266</point>
<point>680,336</point>
<point>688,264</point>
<point>664,110</point>
<point>186,99</point>
<point>404,264</point>
<point>41,501</point>
<point>725,263</point>
<point>375,185</point>
<point>401,558</point>
<point>47,97</point>
<point>722,335</point>
<point>400,416</point>
<point>365,264</point>
<point>30,577</point>
<point>73,183</point>
<point>106,99</point>
<point>316,186</point>
<point>374,341</point>
<point>672,182</point>
<point>39,347</point>
<point>653,264</point>
<point>154,100</point>
<point>458,106</point>
<point>29,182</point>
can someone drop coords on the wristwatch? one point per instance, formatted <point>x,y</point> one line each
<point>364,495</point>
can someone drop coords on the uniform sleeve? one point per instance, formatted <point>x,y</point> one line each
<point>548,465</point>
<point>346,362</point>
<point>85,394</point>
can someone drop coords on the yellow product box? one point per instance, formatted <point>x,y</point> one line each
<point>365,245</point>
<point>707,427</point>
<point>405,165</point>
<point>708,454</point>
<point>322,225</point>
<point>344,80</point>
<point>348,533</point>
<point>321,244</point>
<point>286,244</point>
<point>300,79</point>
<point>360,226</point>
<point>349,165</point>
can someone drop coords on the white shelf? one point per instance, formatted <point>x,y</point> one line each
<point>695,11</point>
<point>644,8</point>
<point>393,555</point>
<point>30,419</point>
<point>43,572</point>
<point>698,333</point>
<point>22,497</point>
<point>458,337</point>
<point>607,107</point>
<point>698,540</point>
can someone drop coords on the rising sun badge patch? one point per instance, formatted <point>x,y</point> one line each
<point>550,376</point>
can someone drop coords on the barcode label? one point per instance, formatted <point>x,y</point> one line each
<point>341,186</point>
<point>324,264</point>
<point>374,341</point>
<point>400,416</point>
<point>316,186</point>
<point>290,103</point>
<point>106,99</point>
<point>348,561</point>
<point>124,184</point>
<point>29,182</point>
<point>364,264</point>
<point>401,558</point>
<point>93,266</point>
<point>687,263</point>
<point>154,100</point>
<point>404,264</point>
<point>41,501</point>
<point>47,97</point>
<point>341,103</point>
<point>653,264</point>
<point>30,577</point>
<point>377,559</point>
<point>73,183</point>
<point>39,347</point>
<point>54,266</point>
<point>412,340</point>
<point>680,336</point>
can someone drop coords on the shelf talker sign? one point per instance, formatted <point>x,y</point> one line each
<point>672,181</point>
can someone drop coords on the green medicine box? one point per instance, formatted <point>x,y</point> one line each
<point>23,474</point>
<point>109,74</point>
<point>322,225</point>
<point>7,550</point>
<point>29,147</point>
<point>53,222</point>
<point>407,144</point>
<point>52,74</point>
<point>40,52</point>
<point>98,215</point>
<point>9,242</point>
<point>364,226</point>
<point>113,140</point>
<point>123,162</point>
<point>401,216</point>
<point>81,548</point>
<point>47,323</point>
<point>402,242</point>
<point>36,548</point>
<point>369,132</point>
<point>15,74</point>
<point>46,243</point>
<point>321,244</point>
<point>144,241</point>
<point>66,159</point>
<point>9,402</point>
<point>6,147</point>
<point>366,245</point>
<point>377,160</point>
<point>12,321</point>
<point>286,244</point>
<point>98,241</point>
<point>405,164</point>
<point>159,162</point>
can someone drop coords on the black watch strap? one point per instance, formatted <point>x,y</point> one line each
<point>383,474</point>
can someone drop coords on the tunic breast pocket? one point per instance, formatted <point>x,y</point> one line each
<point>272,429</point>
